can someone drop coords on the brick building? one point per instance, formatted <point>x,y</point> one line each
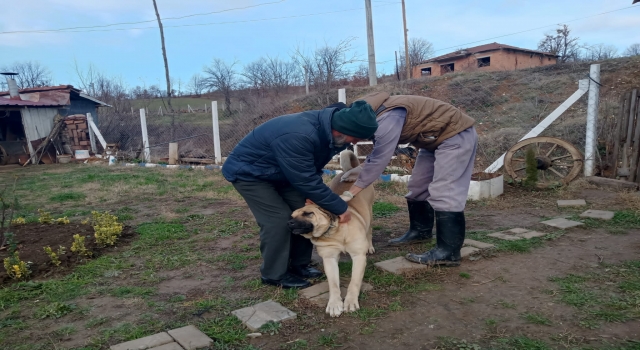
<point>484,58</point>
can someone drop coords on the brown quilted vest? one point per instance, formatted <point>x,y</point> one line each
<point>428,121</point>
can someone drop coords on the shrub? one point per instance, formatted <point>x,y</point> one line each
<point>107,228</point>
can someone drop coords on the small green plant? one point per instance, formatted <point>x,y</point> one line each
<point>107,228</point>
<point>44,217</point>
<point>537,319</point>
<point>62,221</point>
<point>67,197</point>
<point>395,306</point>
<point>299,344</point>
<point>384,209</point>
<point>531,169</point>
<point>54,310</point>
<point>455,344</point>
<point>78,246</point>
<point>16,268</point>
<point>270,328</point>
<point>465,275</point>
<point>329,340</point>
<point>18,221</point>
<point>55,256</point>
<point>507,305</point>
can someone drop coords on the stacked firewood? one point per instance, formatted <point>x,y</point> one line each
<point>76,134</point>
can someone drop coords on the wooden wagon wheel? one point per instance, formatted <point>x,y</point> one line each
<point>557,160</point>
<point>4,156</point>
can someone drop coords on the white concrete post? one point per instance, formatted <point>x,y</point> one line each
<point>92,136</point>
<point>592,120</point>
<point>216,132</point>
<point>146,153</point>
<point>342,96</point>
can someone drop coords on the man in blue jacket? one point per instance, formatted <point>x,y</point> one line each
<point>278,166</point>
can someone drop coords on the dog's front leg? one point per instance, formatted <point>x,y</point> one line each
<point>357,274</point>
<point>334,307</point>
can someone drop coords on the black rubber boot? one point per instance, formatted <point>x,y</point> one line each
<point>420,224</point>
<point>450,232</point>
<point>288,281</point>
<point>305,271</point>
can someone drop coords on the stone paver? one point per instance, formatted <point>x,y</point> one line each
<point>319,293</point>
<point>467,251</point>
<point>478,244</point>
<point>516,230</point>
<point>562,223</point>
<point>144,343</point>
<point>571,203</point>
<point>531,234</point>
<point>598,214</point>
<point>190,338</point>
<point>399,265</point>
<point>170,346</point>
<point>506,237</point>
<point>257,315</point>
<point>322,299</point>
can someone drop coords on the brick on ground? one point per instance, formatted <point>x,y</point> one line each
<point>598,214</point>
<point>571,203</point>
<point>144,343</point>
<point>399,265</point>
<point>170,346</point>
<point>257,315</point>
<point>478,244</point>
<point>191,338</point>
<point>562,223</point>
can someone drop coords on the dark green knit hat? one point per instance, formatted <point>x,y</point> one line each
<point>358,121</point>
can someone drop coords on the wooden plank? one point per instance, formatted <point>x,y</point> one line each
<point>612,183</point>
<point>636,137</point>
<point>628,124</point>
<point>617,135</point>
<point>98,134</point>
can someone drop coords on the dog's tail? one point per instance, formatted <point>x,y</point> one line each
<point>348,160</point>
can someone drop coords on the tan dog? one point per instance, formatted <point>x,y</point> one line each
<point>332,238</point>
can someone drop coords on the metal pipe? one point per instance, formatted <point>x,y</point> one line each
<point>592,120</point>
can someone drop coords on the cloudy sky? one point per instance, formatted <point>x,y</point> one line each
<point>254,28</point>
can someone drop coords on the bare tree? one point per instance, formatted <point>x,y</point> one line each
<point>327,64</point>
<point>31,74</point>
<point>256,76</point>
<point>111,90</point>
<point>164,56</point>
<point>599,52</point>
<point>196,85</point>
<point>419,51</point>
<point>561,43</point>
<point>223,78</point>
<point>633,50</point>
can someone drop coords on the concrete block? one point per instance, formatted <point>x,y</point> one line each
<point>562,223</point>
<point>319,293</point>
<point>399,265</point>
<point>257,315</point>
<point>322,299</point>
<point>516,231</point>
<point>190,338</point>
<point>598,214</point>
<point>531,234</point>
<point>478,244</point>
<point>170,346</point>
<point>506,237</point>
<point>572,203</point>
<point>467,251</point>
<point>144,343</point>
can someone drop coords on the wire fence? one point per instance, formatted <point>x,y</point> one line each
<point>505,105</point>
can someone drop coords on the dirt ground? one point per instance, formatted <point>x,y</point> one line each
<point>193,256</point>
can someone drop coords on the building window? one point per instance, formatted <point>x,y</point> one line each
<point>446,68</point>
<point>425,71</point>
<point>484,62</point>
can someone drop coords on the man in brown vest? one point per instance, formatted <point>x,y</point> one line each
<point>440,180</point>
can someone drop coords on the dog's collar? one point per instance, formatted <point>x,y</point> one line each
<point>334,220</point>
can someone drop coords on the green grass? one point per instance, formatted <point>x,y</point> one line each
<point>537,318</point>
<point>621,222</point>
<point>522,343</point>
<point>328,340</point>
<point>384,209</point>
<point>67,197</point>
<point>519,246</point>
<point>161,231</point>
<point>96,321</point>
<point>465,275</point>
<point>610,294</point>
<point>132,291</point>
<point>507,305</point>
<point>54,310</point>
<point>236,261</point>
<point>366,314</point>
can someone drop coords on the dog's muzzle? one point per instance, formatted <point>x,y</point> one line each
<point>300,227</point>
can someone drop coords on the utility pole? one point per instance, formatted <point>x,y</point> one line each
<point>406,42</point>
<point>164,55</point>
<point>397,69</point>
<point>373,77</point>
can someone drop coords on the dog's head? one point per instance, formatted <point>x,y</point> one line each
<point>311,221</point>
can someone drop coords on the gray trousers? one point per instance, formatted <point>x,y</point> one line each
<point>442,177</point>
<point>272,205</point>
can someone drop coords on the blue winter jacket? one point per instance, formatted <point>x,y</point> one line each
<point>292,148</point>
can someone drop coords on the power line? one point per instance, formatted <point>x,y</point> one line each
<point>530,30</point>
<point>195,25</point>
<point>152,20</point>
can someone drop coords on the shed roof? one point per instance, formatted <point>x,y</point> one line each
<point>46,96</point>
<point>483,48</point>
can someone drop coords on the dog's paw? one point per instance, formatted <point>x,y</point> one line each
<point>371,249</point>
<point>351,304</point>
<point>335,307</point>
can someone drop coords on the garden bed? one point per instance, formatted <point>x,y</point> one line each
<point>32,238</point>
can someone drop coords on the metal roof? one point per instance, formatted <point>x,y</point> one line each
<point>483,48</point>
<point>46,96</point>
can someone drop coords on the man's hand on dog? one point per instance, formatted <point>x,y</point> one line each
<point>344,218</point>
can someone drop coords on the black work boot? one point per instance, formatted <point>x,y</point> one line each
<point>305,271</point>
<point>288,281</point>
<point>420,224</point>
<point>449,239</point>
